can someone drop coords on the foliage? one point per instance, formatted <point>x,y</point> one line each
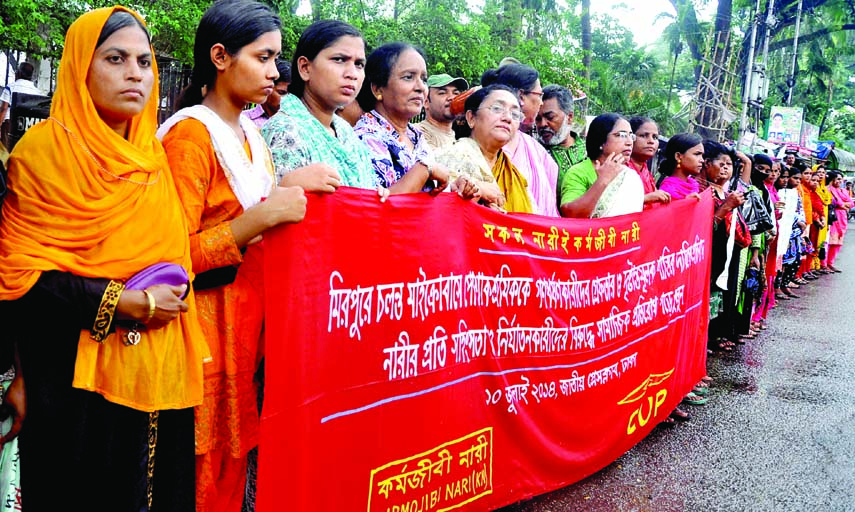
<point>38,26</point>
<point>464,39</point>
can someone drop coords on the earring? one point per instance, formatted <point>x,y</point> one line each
<point>679,161</point>
<point>601,148</point>
<point>379,97</point>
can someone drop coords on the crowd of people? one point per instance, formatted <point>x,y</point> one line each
<point>131,277</point>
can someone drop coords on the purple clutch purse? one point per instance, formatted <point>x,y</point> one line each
<point>159,273</point>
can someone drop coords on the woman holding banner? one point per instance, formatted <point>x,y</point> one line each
<point>533,162</point>
<point>394,93</point>
<point>312,146</point>
<point>230,199</point>
<point>730,238</point>
<point>113,365</point>
<point>492,116</point>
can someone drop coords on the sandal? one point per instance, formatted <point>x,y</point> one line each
<point>693,399</point>
<point>668,422</point>
<point>707,379</point>
<point>680,415</point>
<point>791,294</point>
<point>781,296</point>
<point>801,281</point>
<point>700,391</point>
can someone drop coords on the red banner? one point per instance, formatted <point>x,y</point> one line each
<point>428,354</point>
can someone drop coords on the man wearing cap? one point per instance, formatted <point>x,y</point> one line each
<point>437,125</point>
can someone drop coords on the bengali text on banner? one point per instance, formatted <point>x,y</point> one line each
<point>427,354</point>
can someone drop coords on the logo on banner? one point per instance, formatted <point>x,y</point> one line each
<point>447,477</point>
<point>642,414</point>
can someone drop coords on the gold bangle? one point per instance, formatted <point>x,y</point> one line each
<point>152,306</point>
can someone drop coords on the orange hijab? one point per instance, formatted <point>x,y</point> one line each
<point>84,200</point>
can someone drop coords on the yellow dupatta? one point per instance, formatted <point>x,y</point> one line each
<point>512,184</point>
<point>87,201</point>
<point>825,195</point>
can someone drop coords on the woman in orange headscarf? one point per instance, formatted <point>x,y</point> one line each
<point>92,203</point>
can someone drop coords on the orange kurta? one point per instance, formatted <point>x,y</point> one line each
<point>231,315</point>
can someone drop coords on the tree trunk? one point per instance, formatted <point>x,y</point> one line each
<point>692,32</point>
<point>586,38</point>
<point>708,116</point>
<point>317,9</point>
<point>671,83</point>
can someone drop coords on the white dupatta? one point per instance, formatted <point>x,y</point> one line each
<point>250,181</point>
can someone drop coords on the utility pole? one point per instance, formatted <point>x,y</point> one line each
<point>791,83</point>
<point>746,92</point>
<point>770,22</point>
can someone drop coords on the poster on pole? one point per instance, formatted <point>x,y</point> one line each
<point>427,354</point>
<point>810,133</point>
<point>785,124</point>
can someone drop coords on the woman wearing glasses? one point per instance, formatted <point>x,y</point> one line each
<point>602,185</point>
<point>530,158</point>
<point>493,115</point>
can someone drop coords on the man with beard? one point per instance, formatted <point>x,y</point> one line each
<point>554,128</point>
<point>437,125</point>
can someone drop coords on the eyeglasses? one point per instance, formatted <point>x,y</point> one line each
<point>536,93</point>
<point>624,135</point>
<point>515,113</point>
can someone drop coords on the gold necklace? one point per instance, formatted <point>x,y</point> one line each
<point>105,171</point>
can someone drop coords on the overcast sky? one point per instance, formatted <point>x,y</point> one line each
<point>637,15</point>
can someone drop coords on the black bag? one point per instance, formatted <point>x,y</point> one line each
<point>832,213</point>
<point>755,213</point>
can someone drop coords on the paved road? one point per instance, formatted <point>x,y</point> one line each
<point>778,433</point>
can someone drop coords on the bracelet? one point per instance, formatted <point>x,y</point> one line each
<point>152,306</point>
<point>430,171</point>
<point>106,311</point>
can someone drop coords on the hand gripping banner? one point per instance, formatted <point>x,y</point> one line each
<point>428,354</point>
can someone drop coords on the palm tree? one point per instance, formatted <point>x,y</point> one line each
<point>674,37</point>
